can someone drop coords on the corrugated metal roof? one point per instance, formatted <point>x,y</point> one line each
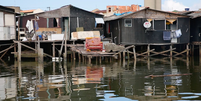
<point>195,14</point>
<point>113,17</point>
<point>64,11</point>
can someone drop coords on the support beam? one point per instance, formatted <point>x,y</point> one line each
<point>171,50</point>
<point>19,52</point>
<point>148,50</point>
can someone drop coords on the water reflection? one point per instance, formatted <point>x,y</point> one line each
<point>127,81</point>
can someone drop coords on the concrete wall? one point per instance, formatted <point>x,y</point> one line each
<point>153,4</point>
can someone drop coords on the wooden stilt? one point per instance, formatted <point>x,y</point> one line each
<point>54,68</point>
<point>187,62</point>
<point>124,55</point>
<point>134,69</point>
<point>40,55</point>
<point>36,48</point>
<point>110,59</point>
<point>74,55</point>
<point>187,48</point>
<point>53,49</point>
<point>119,56</point>
<point>171,50</point>
<point>82,58</point>
<point>148,50</point>
<point>19,52</point>
<point>134,53</point>
<point>148,63</point>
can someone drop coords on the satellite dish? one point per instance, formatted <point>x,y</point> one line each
<point>147,24</point>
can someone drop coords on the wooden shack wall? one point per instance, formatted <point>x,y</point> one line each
<point>137,34</point>
<point>86,20</point>
<point>42,22</point>
<point>195,25</point>
<point>184,25</point>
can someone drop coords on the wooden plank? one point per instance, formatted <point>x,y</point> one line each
<point>6,49</point>
<point>157,53</point>
<point>57,30</point>
<point>35,50</point>
<point>181,52</point>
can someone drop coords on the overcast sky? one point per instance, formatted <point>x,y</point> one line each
<point>167,5</point>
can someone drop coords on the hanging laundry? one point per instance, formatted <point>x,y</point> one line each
<point>166,35</point>
<point>36,25</point>
<point>178,33</point>
<point>29,25</point>
<point>173,34</point>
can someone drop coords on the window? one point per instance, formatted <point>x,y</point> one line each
<point>128,23</point>
<point>99,22</point>
<point>159,24</point>
<point>171,24</point>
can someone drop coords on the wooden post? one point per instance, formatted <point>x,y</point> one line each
<point>171,50</point>
<point>36,48</point>
<point>187,48</point>
<point>124,55</point>
<point>148,63</point>
<point>53,49</point>
<point>96,60</point>
<point>15,51</point>
<point>40,55</point>
<point>134,53</point>
<point>74,55</point>
<point>54,68</point>
<point>148,50</point>
<point>19,52</point>
<point>89,57</point>
<point>119,56</point>
<point>134,65</point>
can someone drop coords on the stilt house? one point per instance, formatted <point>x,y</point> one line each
<point>148,26</point>
<point>7,23</point>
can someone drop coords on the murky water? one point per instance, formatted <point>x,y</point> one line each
<point>109,81</point>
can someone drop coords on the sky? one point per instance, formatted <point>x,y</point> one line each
<point>167,5</point>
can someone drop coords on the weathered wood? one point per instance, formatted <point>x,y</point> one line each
<point>123,50</point>
<point>178,53</point>
<point>35,50</point>
<point>181,52</point>
<point>143,54</point>
<point>134,53</point>
<point>53,49</point>
<point>19,52</point>
<point>100,59</point>
<point>148,50</point>
<point>187,48</point>
<point>157,53</point>
<point>40,55</point>
<point>171,51</point>
<point>124,55</point>
<point>6,51</point>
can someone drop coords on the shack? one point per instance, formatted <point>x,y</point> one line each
<point>71,19</point>
<point>148,27</point>
<point>195,30</point>
<point>7,23</point>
